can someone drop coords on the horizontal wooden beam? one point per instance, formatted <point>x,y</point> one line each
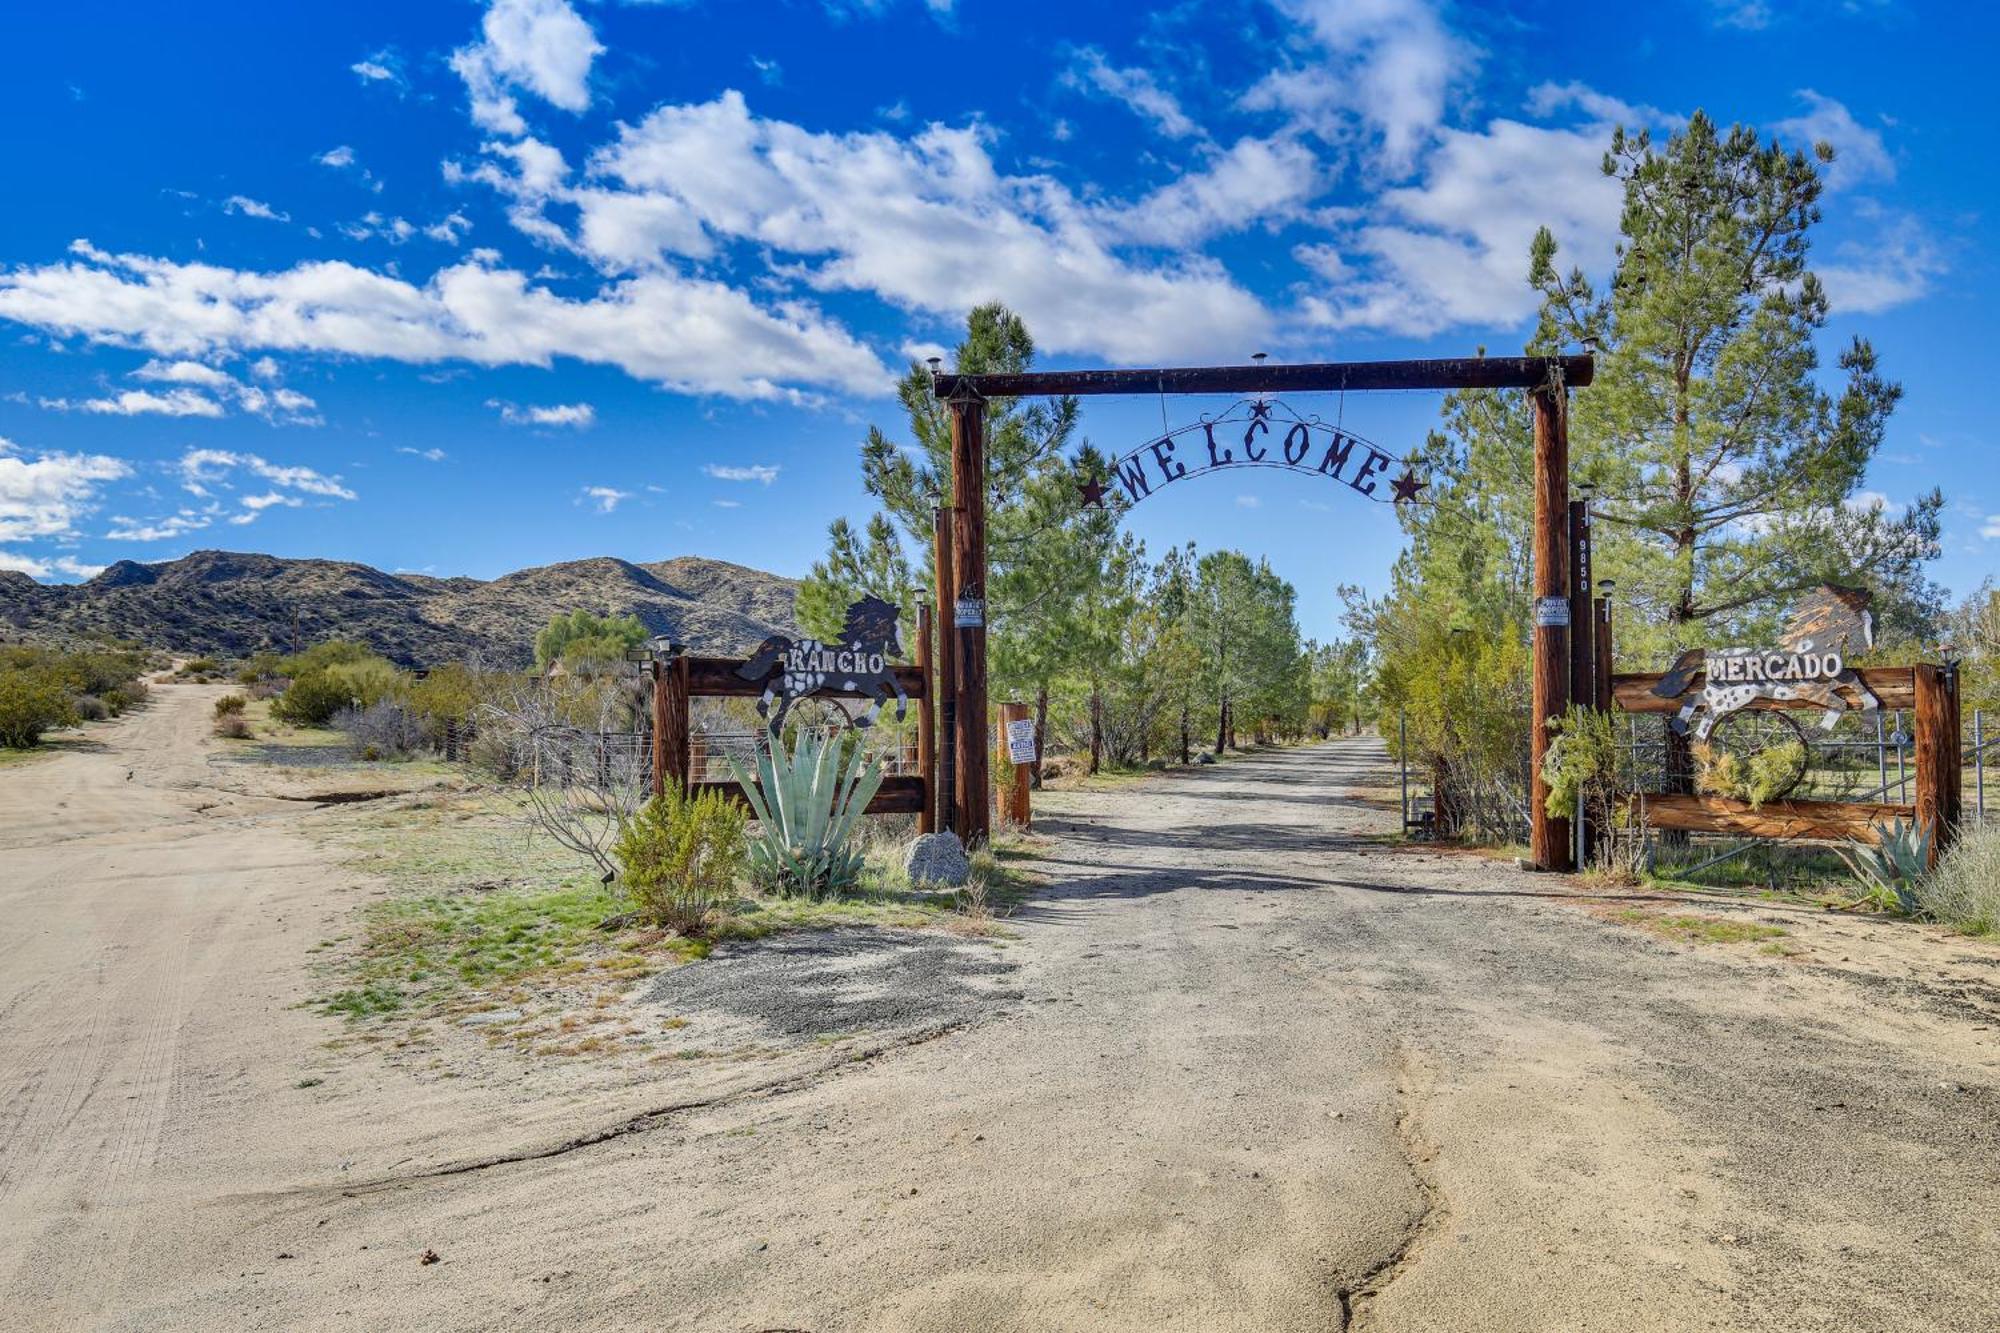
<point>901,794</point>
<point>1480,372</point>
<point>1817,821</point>
<point>1632,691</point>
<point>716,678</point>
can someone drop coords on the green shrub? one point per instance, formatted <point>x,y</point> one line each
<point>1764,776</point>
<point>90,708</point>
<point>33,700</point>
<point>584,639</point>
<point>369,680</point>
<point>312,700</point>
<point>680,858</point>
<point>198,666</point>
<point>1964,890</point>
<point>230,703</point>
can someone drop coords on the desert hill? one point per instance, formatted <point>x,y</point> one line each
<point>226,603</point>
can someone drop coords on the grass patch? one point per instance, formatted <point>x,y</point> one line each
<point>1699,929</point>
<point>481,912</point>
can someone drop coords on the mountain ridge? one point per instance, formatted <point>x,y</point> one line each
<point>233,603</point>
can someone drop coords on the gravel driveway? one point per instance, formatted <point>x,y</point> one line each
<point>1240,1067</point>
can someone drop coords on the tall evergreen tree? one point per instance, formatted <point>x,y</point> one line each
<point>1728,470</point>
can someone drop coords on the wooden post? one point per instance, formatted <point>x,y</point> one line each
<point>947,679</point>
<point>1936,724</point>
<point>968,558</point>
<point>927,818</point>
<point>1548,836</point>
<point>1602,623</point>
<point>1582,634</point>
<point>677,729</point>
<point>659,727</point>
<point>1018,811</point>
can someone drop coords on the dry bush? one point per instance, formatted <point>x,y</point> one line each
<point>230,703</point>
<point>1964,891</point>
<point>232,727</point>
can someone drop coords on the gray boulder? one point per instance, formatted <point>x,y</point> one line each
<point>1204,758</point>
<point>937,858</point>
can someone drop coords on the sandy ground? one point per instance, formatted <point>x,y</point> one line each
<point>1239,1067</point>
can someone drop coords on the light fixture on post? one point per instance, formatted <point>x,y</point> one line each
<point>1605,587</point>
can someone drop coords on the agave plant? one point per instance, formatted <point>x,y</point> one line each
<point>1894,866</point>
<point>807,801</point>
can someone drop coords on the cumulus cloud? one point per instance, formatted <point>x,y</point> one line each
<point>693,335</point>
<point>928,223</point>
<point>538,46</point>
<point>758,472</point>
<point>128,529</point>
<point>579,415</point>
<point>1859,154</point>
<point>605,498</point>
<point>1453,249</point>
<point>1387,65</point>
<point>44,496</point>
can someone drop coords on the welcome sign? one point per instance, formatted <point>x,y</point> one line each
<point>1256,433</point>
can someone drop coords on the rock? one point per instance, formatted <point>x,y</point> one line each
<point>1204,758</point>
<point>937,858</point>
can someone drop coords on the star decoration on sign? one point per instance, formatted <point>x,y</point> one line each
<point>1407,486</point>
<point>1092,492</point>
<point>1260,411</point>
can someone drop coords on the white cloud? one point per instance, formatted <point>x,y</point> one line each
<point>1990,529</point>
<point>202,469</point>
<point>278,405</point>
<point>769,71</point>
<point>927,223</point>
<point>1256,180</point>
<point>44,496</point>
<point>143,402</point>
<point>727,504</point>
<point>1546,99</point>
<point>1892,269</point>
<point>46,570</point>
<point>1248,502</point>
<point>255,505</point>
<point>606,498</point>
<point>579,415</point>
<point>1136,88</point>
<point>174,525</point>
<point>184,372</point>
<point>693,335</point>
<point>385,66</point>
<point>539,46</point>
<point>338,158</point>
<point>428,455</point>
<point>1858,152</point>
<point>253,208</point>
<point>1386,63</point>
<point>758,472</point>
<point>1453,249</point>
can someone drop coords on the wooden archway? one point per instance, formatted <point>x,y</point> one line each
<point>961,545</point>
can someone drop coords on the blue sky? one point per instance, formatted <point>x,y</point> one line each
<point>465,287</point>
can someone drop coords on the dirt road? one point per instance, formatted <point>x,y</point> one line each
<point>1238,1068</point>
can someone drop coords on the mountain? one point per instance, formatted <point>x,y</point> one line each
<point>230,604</point>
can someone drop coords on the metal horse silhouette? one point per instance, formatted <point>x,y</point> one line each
<point>1824,629</point>
<point>859,662</point>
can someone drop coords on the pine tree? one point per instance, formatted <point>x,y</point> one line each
<point>1727,470</point>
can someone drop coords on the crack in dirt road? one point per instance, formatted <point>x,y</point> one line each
<point>642,1123</point>
<point>1415,1078</point>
